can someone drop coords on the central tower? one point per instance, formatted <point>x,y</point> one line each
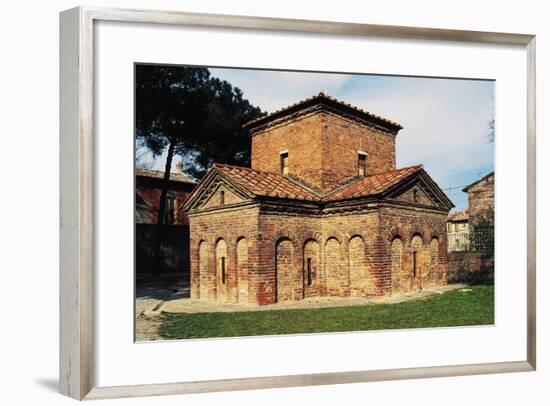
<point>323,142</point>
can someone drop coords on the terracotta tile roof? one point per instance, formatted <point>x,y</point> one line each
<point>276,185</point>
<point>266,183</point>
<point>323,98</point>
<point>374,184</point>
<point>174,177</point>
<point>461,215</point>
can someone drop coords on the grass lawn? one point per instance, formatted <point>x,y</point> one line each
<point>455,308</point>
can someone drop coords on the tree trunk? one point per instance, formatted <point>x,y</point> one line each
<point>157,257</point>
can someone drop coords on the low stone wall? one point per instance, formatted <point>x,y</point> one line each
<point>470,267</point>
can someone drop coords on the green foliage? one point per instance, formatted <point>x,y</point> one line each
<point>200,115</point>
<point>456,308</point>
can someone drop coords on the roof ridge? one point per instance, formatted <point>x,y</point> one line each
<point>311,190</point>
<point>320,96</point>
<point>183,178</point>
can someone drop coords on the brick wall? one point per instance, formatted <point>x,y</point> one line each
<point>481,202</point>
<point>322,148</point>
<point>367,253</point>
<point>149,190</point>
<point>343,138</point>
<point>302,138</point>
<point>237,227</point>
<point>423,231</point>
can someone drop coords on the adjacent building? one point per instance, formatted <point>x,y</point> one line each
<point>322,211</point>
<point>458,231</point>
<point>175,229</point>
<point>470,234</point>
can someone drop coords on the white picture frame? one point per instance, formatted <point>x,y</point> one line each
<point>77,200</point>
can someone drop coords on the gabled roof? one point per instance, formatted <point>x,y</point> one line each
<point>250,183</point>
<point>174,177</point>
<point>478,181</point>
<point>374,184</point>
<point>461,215</point>
<point>324,100</point>
<point>265,183</point>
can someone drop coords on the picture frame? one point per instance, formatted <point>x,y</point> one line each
<point>77,200</point>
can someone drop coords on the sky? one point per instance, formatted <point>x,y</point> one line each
<point>446,121</point>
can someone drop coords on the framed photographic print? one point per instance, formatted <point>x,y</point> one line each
<point>257,191</point>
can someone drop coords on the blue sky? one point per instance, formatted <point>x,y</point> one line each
<point>445,120</point>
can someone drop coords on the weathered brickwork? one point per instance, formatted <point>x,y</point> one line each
<point>267,242</point>
<point>300,138</point>
<point>330,145</point>
<point>481,201</point>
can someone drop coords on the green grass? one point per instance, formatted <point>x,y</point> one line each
<point>449,309</point>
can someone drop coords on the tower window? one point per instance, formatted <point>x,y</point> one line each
<point>362,164</point>
<point>284,163</point>
<point>222,197</point>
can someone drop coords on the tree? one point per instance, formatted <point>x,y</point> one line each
<point>184,111</point>
<point>222,137</point>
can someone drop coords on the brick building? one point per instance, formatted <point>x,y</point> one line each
<point>175,228</point>
<point>481,201</point>
<point>323,211</point>
<point>470,234</point>
<point>458,231</point>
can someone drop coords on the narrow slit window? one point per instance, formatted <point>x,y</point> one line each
<point>223,269</point>
<point>222,197</point>
<point>309,272</point>
<point>284,163</point>
<point>414,264</point>
<point>415,195</point>
<point>362,164</point>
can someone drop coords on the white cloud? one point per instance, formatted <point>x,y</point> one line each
<point>445,122</point>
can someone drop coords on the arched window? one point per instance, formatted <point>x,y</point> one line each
<point>204,277</point>
<point>399,280</point>
<point>311,262</point>
<point>434,257</point>
<point>357,266</point>
<point>284,270</point>
<point>333,267</point>
<point>242,270</point>
<point>221,256</point>
<point>416,246</point>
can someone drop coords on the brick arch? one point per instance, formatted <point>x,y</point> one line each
<point>353,232</point>
<point>205,277</point>
<point>310,235</point>
<point>358,266</point>
<point>396,232</point>
<point>400,275</point>
<point>434,259</point>
<point>222,271</point>
<point>311,258</point>
<point>420,231</point>
<point>338,236</point>
<point>334,267</point>
<point>284,234</point>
